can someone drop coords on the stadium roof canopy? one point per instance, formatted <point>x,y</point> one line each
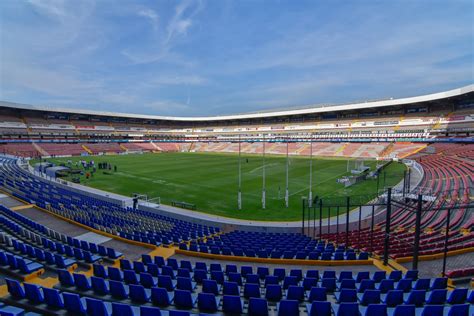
<point>310,109</point>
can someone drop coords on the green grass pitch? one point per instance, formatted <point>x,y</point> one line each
<point>210,181</point>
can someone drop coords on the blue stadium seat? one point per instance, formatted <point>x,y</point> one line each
<point>402,310</point>
<point>258,307</point>
<point>346,309</point>
<point>273,293</point>
<point>271,279</point>
<point>457,296</point>
<point>218,276</point>
<point>99,271</point>
<point>81,282</point>
<point>232,304</point>
<point>210,286</point>
<point>280,273</point>
<point>395,275</point>
<point>235,277</point>
<point>231,288</point>
<point>432,310</point>
<point>392,298</point>
<point>263,272</point>
<point>99,286</point>
<point>346,296</point>
<point>53,298</point>
<point>199,275</point>
<point>124,309</point>
<point>149,311</point>
<point>251,290</point>
<point>153,269</point>
<point>230,268</point>
<point>415,297</point>
<point>138,267</point>
<point>139,294</point>
<point>386,285</point>
<point>297,273</point>
<point>207,302</point>
<point>168,271</point>
<point>184,299</point>
<point>252,278</point>
<point>130,277</point>
<point>437,297</point>
<point>33,293</point>
<point>405,285</point>
<point>329,284</point>
<point>15,289</point>
<point>288,307</point>
<point>460,310</point>
<point>97,307</point>
<point>362,275</point>
<point>411,274</point>
<point>289,280</point>
<point>166,282</point>
<point>344,275</point>
<point>74,304</point>
<point>185,284</point>
<point>65,278</point>
<point>312,274</point>
<point>295,293</point>
<point>118,290</point>
<point>422,284</point>
<point>329,274</point>
<point>115,274</point>
<point>184,273</point>
<point>308,283</point>
<point>365,284</point>
<point>439,284</point>
<point>319,308</point>
<point>317,294</point>
<point>147,280</point>
<point>373,310</point>
<point>379,276</point>
<point>161,297</point>
<point>369,297</point>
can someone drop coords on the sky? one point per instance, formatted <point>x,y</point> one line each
<point>198,58</point>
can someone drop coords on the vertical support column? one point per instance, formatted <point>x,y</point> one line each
<point>404,182</point>
<point>378,183</point>
<point>372,229</point>
<point>387,227</point>
<point>409,181</point>
<point>446,240</point>
<point>337,225</point>
<point>360,222</point>
<point>329,219</point>
<point>320,218</point>
<point>302,216</point>
<point>287,195</point>
<point>347,221</point>
<point>309,220</point>
<point>239,194</point>
<point>264,197</point>
<point>314,222</point>
<point>416,247</point>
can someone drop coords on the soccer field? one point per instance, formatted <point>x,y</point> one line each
<point>210,181</point>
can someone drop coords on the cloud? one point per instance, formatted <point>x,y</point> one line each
<point>151,15</point>
<point>161,46</point>
<point>51,8</point>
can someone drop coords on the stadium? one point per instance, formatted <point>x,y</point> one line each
<point>348,209</point>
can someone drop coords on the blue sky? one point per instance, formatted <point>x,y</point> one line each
<point>191,58</point>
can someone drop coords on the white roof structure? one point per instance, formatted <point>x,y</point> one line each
<point>310,109</point>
